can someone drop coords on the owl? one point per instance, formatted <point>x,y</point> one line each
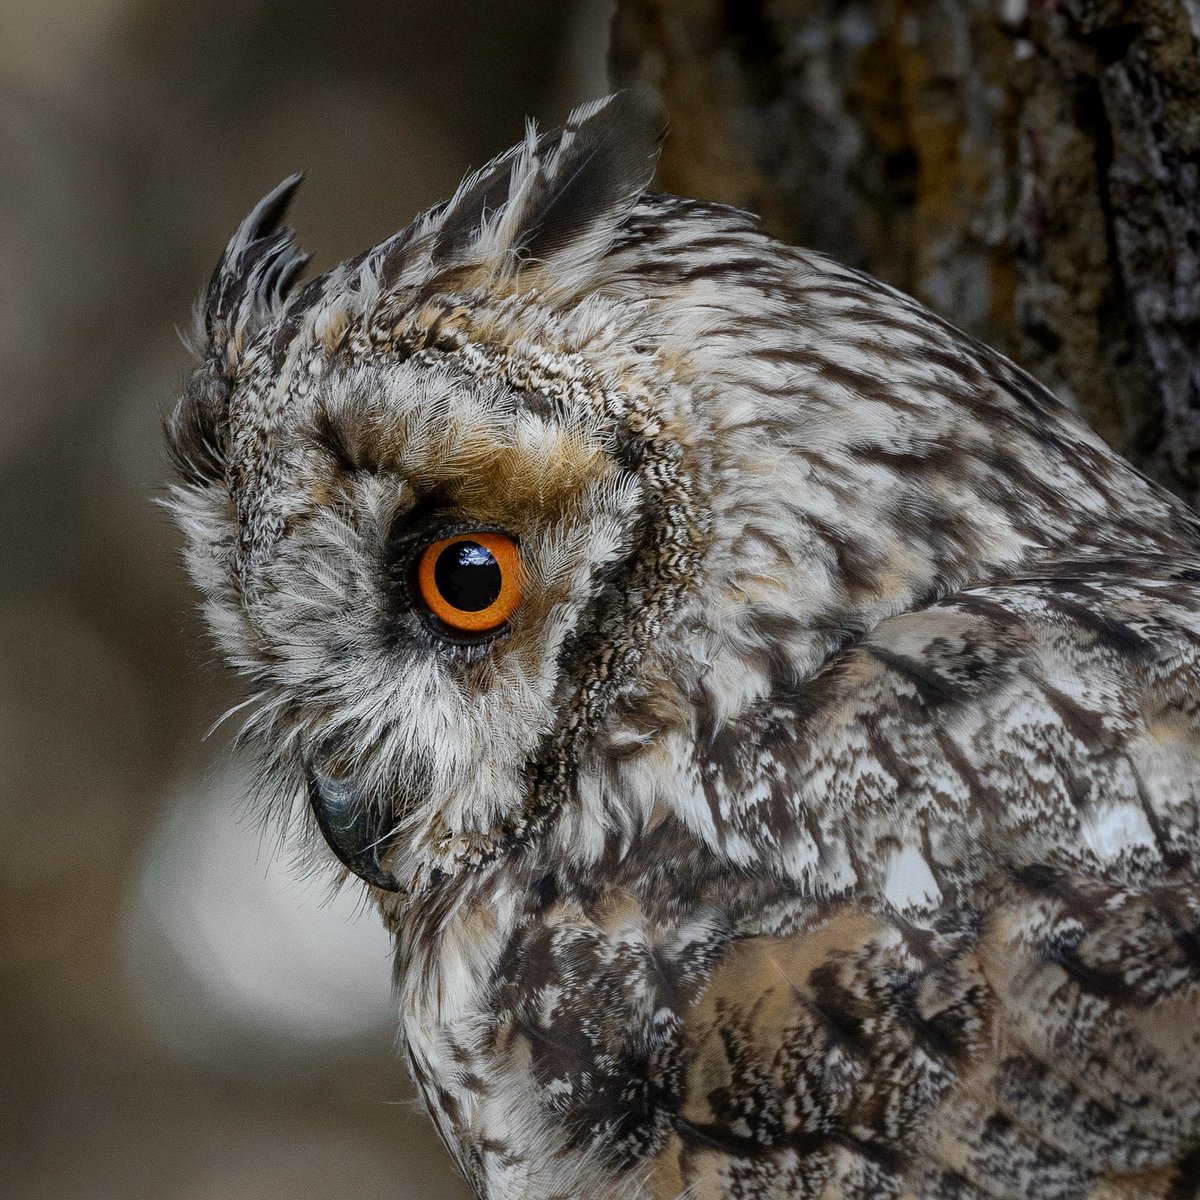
<point>766,719</point>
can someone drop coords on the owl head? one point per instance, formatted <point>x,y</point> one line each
<point>506,517</point>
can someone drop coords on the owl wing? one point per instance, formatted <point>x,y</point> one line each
<point>999,994</point>
<point>1044,721</point>
<point>1045,1044</point>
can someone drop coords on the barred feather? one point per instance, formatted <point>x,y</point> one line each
<point>825,822</point>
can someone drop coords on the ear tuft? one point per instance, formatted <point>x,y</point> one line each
<point>259,268</point>
<point>556,198</point>
<point>255,274</point>
<point>603,160</point>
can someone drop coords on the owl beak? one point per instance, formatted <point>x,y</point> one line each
<point>357,832</point>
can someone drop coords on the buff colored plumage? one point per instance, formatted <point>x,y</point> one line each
<point>824,822</point>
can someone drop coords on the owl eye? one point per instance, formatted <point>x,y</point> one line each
<point>472,581</point>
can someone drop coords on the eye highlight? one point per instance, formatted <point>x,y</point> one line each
<point>471,581</point>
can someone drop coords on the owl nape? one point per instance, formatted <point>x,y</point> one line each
<point>767,720</point>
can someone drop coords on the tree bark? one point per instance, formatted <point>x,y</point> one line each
<point>1028,168</point>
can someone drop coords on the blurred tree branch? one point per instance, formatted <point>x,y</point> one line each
<point>1029,168</point>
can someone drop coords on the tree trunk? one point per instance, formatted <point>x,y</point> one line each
<point>1028,168</point>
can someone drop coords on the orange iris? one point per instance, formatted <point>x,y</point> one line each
<point>471,581</point>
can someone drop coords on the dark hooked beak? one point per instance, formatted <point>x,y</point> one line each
<point>357,832</point>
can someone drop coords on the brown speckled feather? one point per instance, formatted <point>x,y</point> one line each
<point>824,821</point>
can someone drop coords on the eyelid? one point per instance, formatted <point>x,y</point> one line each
<point>428,518</point>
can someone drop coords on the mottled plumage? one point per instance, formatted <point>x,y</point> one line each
<point>824,823</point>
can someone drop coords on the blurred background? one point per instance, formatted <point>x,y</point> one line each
<point>180,1016</point>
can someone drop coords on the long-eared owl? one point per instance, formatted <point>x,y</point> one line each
<point>767,720</point>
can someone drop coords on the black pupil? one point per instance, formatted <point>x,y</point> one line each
<point>467,576</point>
